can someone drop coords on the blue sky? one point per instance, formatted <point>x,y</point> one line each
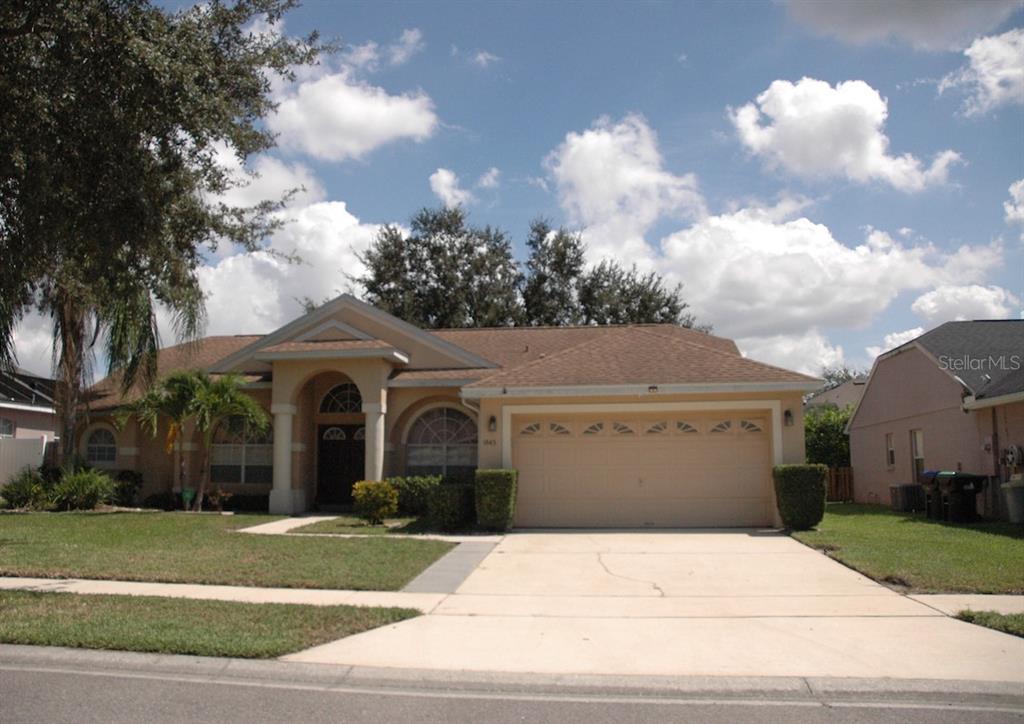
<point>826,180</point>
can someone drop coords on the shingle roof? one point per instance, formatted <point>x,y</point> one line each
<point>638,355</point>
<point>24,388</point>
<point>986,354</point>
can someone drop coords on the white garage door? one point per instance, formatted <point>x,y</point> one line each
<point>668,470</point>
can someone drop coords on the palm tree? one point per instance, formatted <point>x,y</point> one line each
<point>173,398</point>
<point>216,400</point>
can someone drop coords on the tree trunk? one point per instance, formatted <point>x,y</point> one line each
<point>204,473</point>
<point>69,321</point>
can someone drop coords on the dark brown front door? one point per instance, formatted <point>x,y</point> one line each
<point>340,462</point>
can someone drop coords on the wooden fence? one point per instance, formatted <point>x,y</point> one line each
<point>840,485</point>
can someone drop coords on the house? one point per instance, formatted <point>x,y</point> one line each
<point>637,425</point>
<point>26,406</point>
<point>845,395</point>
<point>951,399</point>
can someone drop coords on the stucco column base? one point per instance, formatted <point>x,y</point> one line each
<point>287,502</point>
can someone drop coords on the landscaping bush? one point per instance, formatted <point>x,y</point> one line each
<point>800,493</point>
<point>374,500</point>
<point>82,490</point>
<point>27,489</point>
<point>451,506</point>
<point>495,498</point>
<point>414,492</point>
<point>127,484</point>
<point>161,501</point>
<point>248,503</point>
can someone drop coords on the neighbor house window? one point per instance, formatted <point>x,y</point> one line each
<point>442,442</point>
<point>6,427</point>
<point>890,450</point>
<point>917,452</point>
<point>100,447</point>
<point>241,455</point>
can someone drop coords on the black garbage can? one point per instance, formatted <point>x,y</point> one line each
<point>933,506</point>
<point>960,491</point>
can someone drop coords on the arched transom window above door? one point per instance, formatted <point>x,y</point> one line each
<point>442,441</point>
<point>342,398</point>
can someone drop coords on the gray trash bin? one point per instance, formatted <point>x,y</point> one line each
<point>1014,492</point>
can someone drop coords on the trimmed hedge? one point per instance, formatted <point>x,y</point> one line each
<point>374,500</point>
<point>800,493</point>
<point>414,492</point>
<point>495,498</point>
<point>450,506</point>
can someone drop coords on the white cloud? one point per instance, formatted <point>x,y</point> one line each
<point>611,180</point>
<point>407,45</point>
<point>335,117</point>
<point>994,74</point>
<point>365,56</point>
<point>33,343</point>
<point>972,301</point>
<point>1014,208</point>
<point>809,352</point>
<point>489,179</point>
<point>894,340</point>
<point>813,129</point>
<point>483,59</point>
<point>445,185</point>
<point>267,179</point>
<point>925,24</point>
<point>328,239</point>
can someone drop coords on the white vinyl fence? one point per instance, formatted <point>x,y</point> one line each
<point>18,454</point>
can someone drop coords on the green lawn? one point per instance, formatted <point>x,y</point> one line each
<point>352,524</point>
<point>179,626</point>
<point>189,548</point>
<point>1012,623</point>
<point>924,556</point>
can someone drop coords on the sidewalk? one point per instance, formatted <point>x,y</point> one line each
<point>285,526</point>
<point>424,602</point>
<point>953,603</point>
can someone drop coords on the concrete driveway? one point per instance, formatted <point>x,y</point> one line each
<point>731,603</point>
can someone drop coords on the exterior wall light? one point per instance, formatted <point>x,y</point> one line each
<point>787,418</point>
<point>652,389</point>
<point>492,424</point>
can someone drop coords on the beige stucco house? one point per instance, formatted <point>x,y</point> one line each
<point>639,425</point>
<point>951,399</point>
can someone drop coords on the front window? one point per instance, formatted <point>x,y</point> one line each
<point>442,442</point>
<point>100,447</point>
<point>342,398</point>
<point>240,454</point>
<point>6,427</point>
<point>917,452</point>
<point>890,451</point>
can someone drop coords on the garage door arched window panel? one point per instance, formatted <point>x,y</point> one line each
<point>622,428</point>
<point>532,429</point>
<point>657,428</point>
<point>685,428</point>
<point>558,429</point>
<point>100,447</point>
<point>443,441</point>
<point>596,428</point>
<point>342,398</point>
<point>240,454</point>
<point>723,426</point>
<point>6,427</point>
<point>751,426</point>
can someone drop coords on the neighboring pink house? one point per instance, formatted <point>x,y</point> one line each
<point>26,406</point>
<point>841,396</point>
<point>951,399</point>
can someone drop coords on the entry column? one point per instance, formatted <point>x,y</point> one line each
<point>374,468</point>
<point>282,500</point>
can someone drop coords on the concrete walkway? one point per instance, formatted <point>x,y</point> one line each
<point>693,603</point>
<point>288,526</point>
<point>248,594</point>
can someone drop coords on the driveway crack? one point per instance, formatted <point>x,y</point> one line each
<point>652,584</point>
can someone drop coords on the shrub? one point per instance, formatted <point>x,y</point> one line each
<point>414,492</point>
<point>27,489</point>
<point>451,506</point>
<point>800,493</point>
<point>127,484</point>
<point>82,490</point>
<point>161,501</point>
<point>374,500</point>
<point>495,498</point>
<point>248,503</point>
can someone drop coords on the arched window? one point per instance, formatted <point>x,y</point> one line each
<point>100,447</point>
<point>342,398</point>
<point>442,441</point>
<point>6,427</point>
<point>241,455</point>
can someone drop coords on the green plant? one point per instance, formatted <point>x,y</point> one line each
<point>127,484</point>
<point>82,490</point>
<point>414,492</point>
<point>374,500</point>
<point>800,493</point>
<point>495,498</point>
<point>825,432</point>
<point>161,501</point>
<point>451,506</point>
<point>28,489</point>
<point>218,497</point>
